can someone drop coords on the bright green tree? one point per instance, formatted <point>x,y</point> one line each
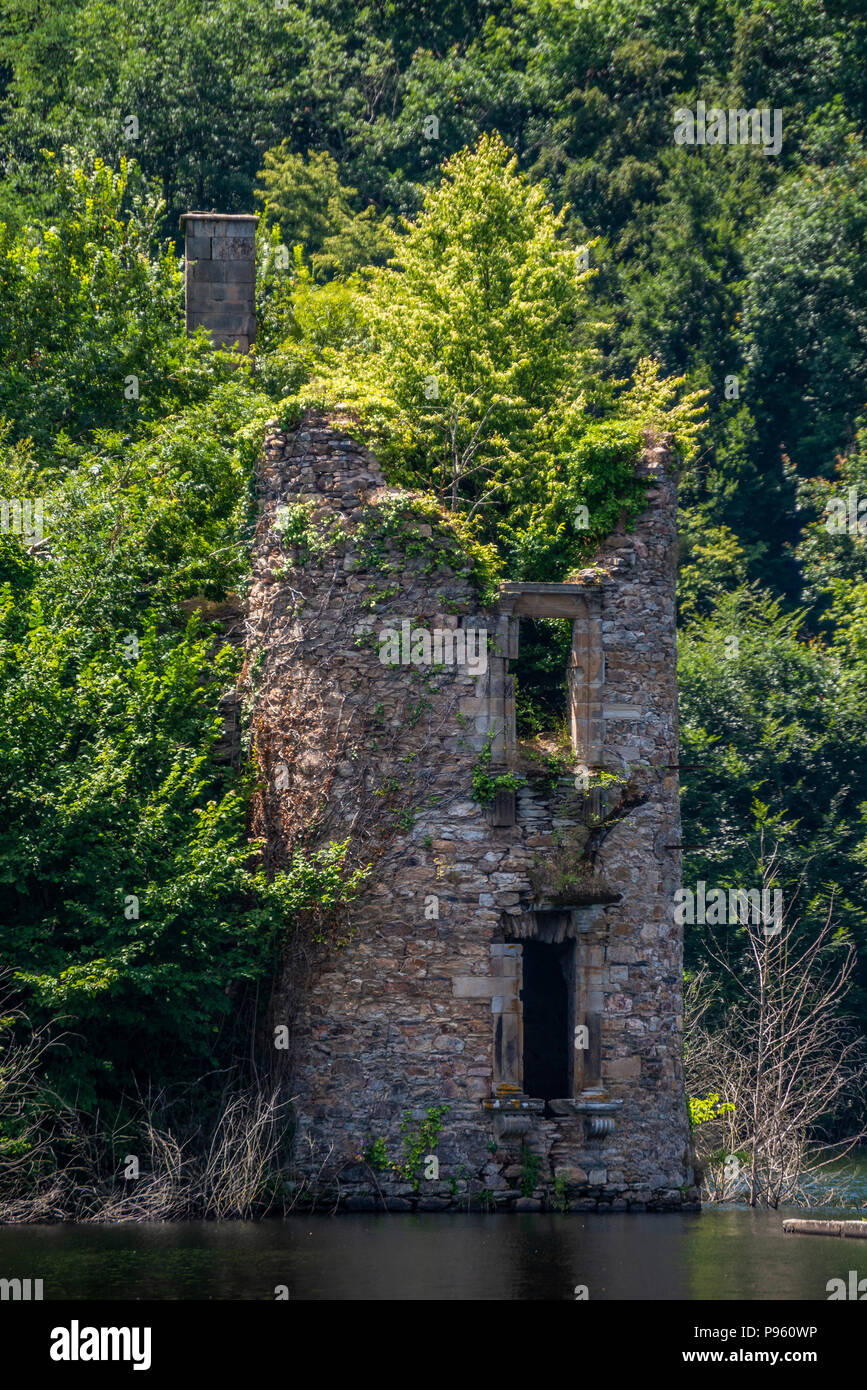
<point>313,209</point>
<point>91,313</point>
<point>477,375</point>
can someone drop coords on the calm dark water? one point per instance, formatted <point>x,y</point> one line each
<point>725,1254</point>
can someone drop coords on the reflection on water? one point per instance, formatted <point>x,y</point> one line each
<point>728,1254</point>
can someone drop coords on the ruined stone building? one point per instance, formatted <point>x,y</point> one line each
<point>504,993</point>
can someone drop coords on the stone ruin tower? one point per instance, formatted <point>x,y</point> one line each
<point>509,974</point>
<point>504,993</point>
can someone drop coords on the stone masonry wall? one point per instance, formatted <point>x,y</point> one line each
<point>412,1000</point>
<point>220,251</point>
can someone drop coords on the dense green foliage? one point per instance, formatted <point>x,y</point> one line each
<point>134,908</point>
<point>432,279</point>
<point>472,371</point>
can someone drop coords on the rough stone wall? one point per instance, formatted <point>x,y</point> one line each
<point>412,1001</point>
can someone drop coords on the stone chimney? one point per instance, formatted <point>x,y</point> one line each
<point>220,254</point>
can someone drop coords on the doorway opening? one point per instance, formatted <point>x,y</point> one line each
<point>547,987</point>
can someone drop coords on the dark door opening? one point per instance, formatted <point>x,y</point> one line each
<point>547,971</point>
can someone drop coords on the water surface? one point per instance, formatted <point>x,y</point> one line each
<point>715,1254</point>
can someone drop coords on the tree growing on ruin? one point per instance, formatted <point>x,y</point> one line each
<point>476,376</point>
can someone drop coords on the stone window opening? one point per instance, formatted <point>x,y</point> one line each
<point>523,608</point>
<point>541,675</point>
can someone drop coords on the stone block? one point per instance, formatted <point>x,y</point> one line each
<point>233,248</point>
<point>205,272</point>
<point>623,1069</point>
<point>570,1174</point>
<point>363,1204</point>
<point>475,987</point>
<point>204,226</point>
<point>197,248</point>
<point>221,272</point>
<point>244,273</point>
<point>243,228</point>
<point>232,294</point>
<point>230,319</point>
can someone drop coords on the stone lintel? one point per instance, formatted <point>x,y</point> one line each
<point>542,600</point>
